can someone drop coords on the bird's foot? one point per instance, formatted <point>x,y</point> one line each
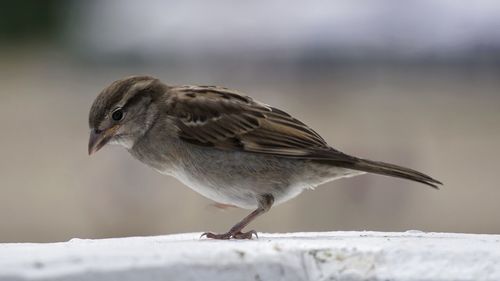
<point>229,235</point>
<point>245,235</point>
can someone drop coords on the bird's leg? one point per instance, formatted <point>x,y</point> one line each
<point>265,202</point>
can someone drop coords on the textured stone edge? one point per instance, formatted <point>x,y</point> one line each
<point>411,255</point>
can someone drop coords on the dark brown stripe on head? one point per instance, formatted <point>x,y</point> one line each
<point>114,94</point>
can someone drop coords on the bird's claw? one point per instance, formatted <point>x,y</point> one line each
<point>245,235</point>
<point>228,235</point>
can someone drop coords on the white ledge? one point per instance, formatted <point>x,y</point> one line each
<point>411,255</point>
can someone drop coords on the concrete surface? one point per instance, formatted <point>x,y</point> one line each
<point>411,255</point>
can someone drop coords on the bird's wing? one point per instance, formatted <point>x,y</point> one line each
<point>224,119</point>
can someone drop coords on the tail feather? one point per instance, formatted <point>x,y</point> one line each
<point>382,168</point>
<point>387,169</point>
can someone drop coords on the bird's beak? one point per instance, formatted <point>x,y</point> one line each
<point>98,139</point>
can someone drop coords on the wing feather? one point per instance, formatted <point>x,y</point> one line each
<point>223,119</point>
<point>220,118</point>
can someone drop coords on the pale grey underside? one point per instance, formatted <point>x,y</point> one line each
<point>234,177</point>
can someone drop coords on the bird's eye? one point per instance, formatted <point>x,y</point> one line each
<point>117,115</point>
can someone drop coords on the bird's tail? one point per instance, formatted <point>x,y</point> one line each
<point>392,170</point>
<point>350,162</point>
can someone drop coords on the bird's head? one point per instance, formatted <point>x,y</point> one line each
<point>123,111</point>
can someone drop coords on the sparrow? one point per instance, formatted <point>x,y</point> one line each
<point>223,144</point>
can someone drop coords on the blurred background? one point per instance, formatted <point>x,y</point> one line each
<point>415,83</point>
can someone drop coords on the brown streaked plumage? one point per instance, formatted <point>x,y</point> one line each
<point>225,145</point>
<point>223,119</point>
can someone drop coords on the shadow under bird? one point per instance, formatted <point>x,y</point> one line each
<point>225,145</point>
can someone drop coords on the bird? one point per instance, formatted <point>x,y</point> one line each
<point>224,145</point>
